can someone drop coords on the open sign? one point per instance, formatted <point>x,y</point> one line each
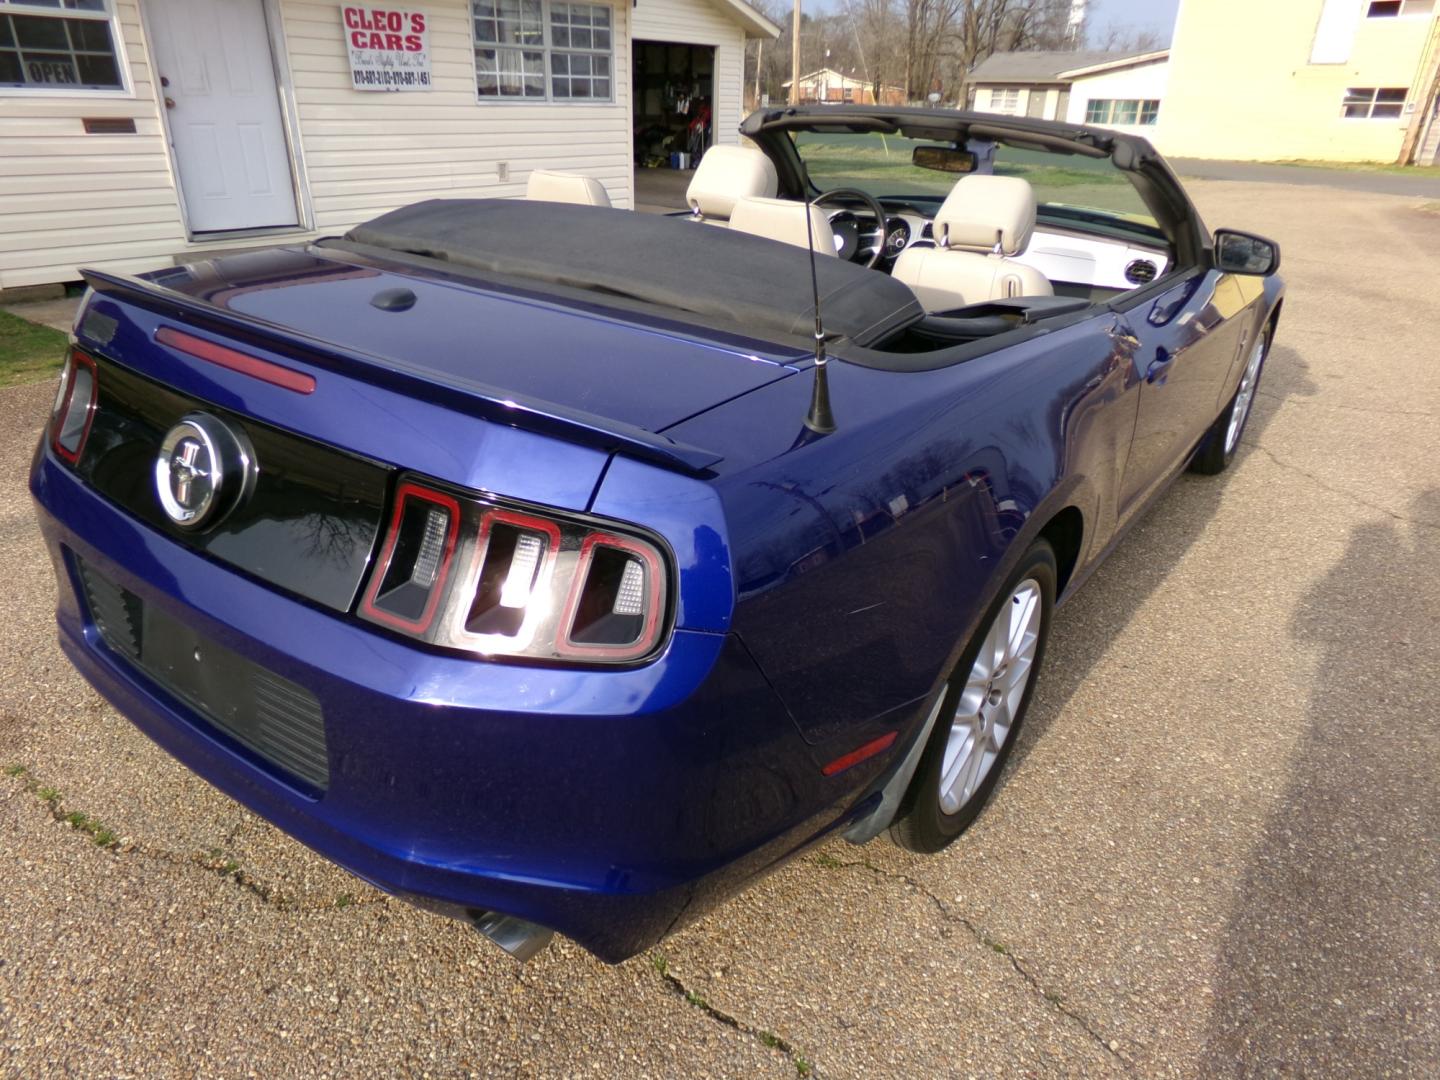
<point>52,72</point>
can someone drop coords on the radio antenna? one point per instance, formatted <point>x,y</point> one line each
<point>819,419</point>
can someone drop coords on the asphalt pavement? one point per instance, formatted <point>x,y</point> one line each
<point>1421,182</point>
<point>1214,854</point>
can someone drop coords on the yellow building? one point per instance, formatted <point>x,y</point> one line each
<point>1334,80</point>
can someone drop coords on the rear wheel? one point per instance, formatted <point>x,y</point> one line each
<point>1223,439</point>
<point>985,703</point>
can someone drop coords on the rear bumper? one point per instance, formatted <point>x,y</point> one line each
<point>610,805</point>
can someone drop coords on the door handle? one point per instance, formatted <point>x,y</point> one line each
<point>169,102</point>
<point>1163,359</point>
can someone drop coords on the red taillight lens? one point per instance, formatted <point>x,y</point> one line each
<point>616,599</point>
<point>409,581</point>
<point>525,585</point>
<point>74,406</point>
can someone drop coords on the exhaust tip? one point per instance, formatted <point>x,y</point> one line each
<point>518,937</point>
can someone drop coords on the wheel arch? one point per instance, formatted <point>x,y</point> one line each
<point>1065,533</point>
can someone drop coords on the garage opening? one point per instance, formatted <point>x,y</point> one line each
<point>673,96</point>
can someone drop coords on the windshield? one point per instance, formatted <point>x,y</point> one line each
<point>880,165</point>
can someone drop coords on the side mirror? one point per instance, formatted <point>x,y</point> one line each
<point>943,159</point>
<point>1245,253</point>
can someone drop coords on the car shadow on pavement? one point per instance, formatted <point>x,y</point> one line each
<point>1084,630</point>
<point>1329,957</point>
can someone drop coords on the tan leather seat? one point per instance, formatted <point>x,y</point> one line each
<point>982,223</point>
<point>783,220</point>
<point>727,174</point>
<point>547,186</point>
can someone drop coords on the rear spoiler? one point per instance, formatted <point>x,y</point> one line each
<point>489,403</point>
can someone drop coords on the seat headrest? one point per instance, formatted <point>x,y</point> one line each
<point>728,173</point>
<point>981,209</point>
<point>547,186</point>
<point>783,220</point>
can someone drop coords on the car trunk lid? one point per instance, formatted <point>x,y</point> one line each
<point>521,350</point>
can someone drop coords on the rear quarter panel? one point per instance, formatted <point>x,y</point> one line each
<point>864,559</point>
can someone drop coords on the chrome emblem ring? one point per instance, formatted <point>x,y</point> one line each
<point>202,471</point>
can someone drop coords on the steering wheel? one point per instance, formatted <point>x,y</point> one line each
<point>873,205</point>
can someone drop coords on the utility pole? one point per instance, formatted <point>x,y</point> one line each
<point>795,57</point>
<point>1423,116</point>
<point>759,64</point>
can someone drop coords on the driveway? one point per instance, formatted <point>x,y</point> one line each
<point>1215,853</point>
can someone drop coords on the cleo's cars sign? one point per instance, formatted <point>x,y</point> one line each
<point>389,47</point>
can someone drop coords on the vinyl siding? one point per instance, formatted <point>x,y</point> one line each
<point>1288,105</point>
<point>72,198</point>
<point>366,153</point>
<point>1144,82</point>
<point>701,22</point>
<point>111,201</point>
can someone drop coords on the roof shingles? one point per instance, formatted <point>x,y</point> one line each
<point>1043,67</point>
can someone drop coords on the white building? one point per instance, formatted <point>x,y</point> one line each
<point>1117,90</point>
<point>835,87</point>
<point>135,133</point>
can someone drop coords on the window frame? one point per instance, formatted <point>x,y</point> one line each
<point>1403,9</point>
<point>107,15</point>
<point>1011,95</point>
<point>1143,107</point>
<point>1370,105</point>
<point>547,48</point>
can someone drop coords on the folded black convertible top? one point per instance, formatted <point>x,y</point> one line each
<point>749,284</point>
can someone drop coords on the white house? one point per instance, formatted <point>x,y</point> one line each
<point>1118,90</point>
<point>835,87</point>
<point>136,133</point>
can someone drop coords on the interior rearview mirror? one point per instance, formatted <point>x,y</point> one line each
<point>1245,253</point>
<point>943,159</point>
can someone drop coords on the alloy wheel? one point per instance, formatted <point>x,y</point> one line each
<point>1245,396</point>
<point>991,696</point>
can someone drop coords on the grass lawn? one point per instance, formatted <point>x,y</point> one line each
<point>874,162</point>
<point>883,167</point>
<point>28,351</point>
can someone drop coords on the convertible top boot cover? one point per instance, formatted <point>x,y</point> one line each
<point>745,284</point>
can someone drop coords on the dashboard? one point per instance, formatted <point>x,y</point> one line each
<point>1067,246</point>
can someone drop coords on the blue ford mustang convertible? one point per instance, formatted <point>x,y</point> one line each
<point>563,568</point>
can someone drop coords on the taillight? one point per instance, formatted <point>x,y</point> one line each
<point>613,606</point>
<point>502,581</point>
<point>74,406</point>
<point>409,581</point>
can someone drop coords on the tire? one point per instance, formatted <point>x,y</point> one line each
<point>953,783</point>
<point>1223,439</point>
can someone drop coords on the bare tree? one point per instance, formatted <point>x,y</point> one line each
<point>1117,37</point>
<point>924,46</point>
<point>1127,39</point>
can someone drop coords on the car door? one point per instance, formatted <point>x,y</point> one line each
<point>1182,347</point>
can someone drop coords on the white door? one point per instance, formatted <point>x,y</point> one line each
<point>217,80</point>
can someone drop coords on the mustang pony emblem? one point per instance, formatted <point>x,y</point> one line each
<point>202,470</point>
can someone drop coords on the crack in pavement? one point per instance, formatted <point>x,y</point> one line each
<point>764,1036</point>
<point>1340,491</point>
<point>1051,998</point>
<point>214,861</point>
